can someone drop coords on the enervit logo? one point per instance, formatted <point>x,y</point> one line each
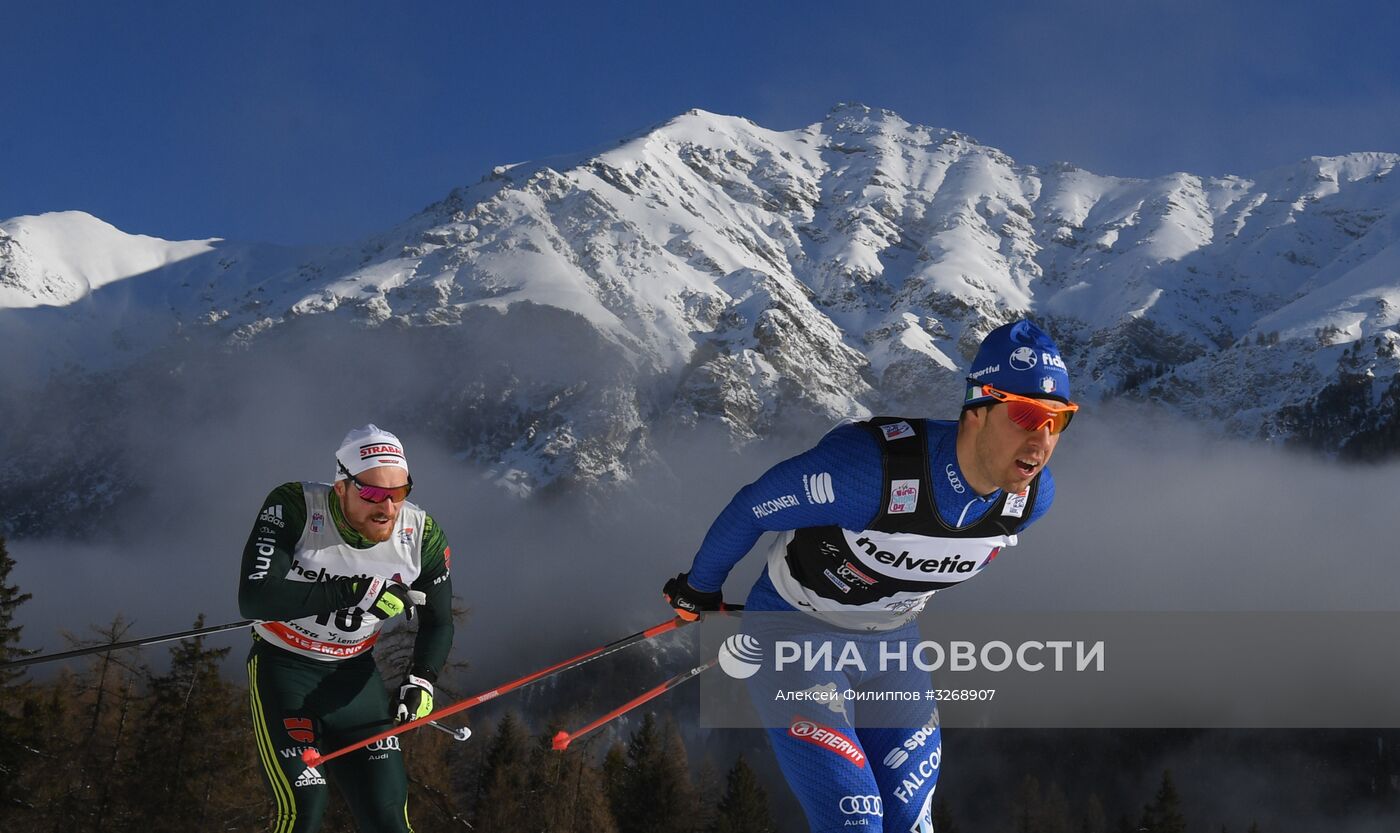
<point>828,739</point>
<point>861,805</point>
<point>740,656</point>
<point>1023,358</point>
<point>818,488</point>
<point>896,758</point>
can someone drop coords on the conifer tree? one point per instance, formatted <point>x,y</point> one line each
<point>744,806</point>
<point>1095,819</point>
<point>191,726</point>
<point>943,817</point>
<point>1164,815</point>
<point>615,778</point>
<point>657,793</point>
<point>505,779</point>
<point>15,749</point>
<point>568,795</point>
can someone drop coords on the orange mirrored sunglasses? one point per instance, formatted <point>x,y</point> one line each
<point>1033,414</point>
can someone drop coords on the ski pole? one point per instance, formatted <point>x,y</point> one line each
<point>313,758</point>
<point>563,739</point>
<point>457,734</point>
<point>130,643</point>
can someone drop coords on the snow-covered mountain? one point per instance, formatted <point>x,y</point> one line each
<point>743,276</point>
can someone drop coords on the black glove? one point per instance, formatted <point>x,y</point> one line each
<point>415,696</point>
<point>383,597</point>
<point>688,602</point>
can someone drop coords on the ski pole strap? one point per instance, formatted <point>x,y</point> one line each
<point>562,740</point>
<point>130,643</point>
<point>313,758</point>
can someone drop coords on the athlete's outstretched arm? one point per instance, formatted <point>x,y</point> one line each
<point>837,482</point>
<point>435,628</point>
<point>264,592</point>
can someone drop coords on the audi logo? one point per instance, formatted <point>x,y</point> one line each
<point>384,745</point>
<point>861,805</point>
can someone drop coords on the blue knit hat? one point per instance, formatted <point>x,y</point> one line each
<point>1018,358</point>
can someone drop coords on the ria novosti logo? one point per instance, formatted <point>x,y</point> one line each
<point>741,656</point>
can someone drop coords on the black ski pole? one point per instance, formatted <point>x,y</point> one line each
<point>130,643</point>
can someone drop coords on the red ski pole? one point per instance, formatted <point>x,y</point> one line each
<point>563,739</point>
<point>313,758</point>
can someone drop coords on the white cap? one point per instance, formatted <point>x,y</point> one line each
<point>367,448</point>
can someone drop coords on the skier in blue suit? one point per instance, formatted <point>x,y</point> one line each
<point>875,519</point>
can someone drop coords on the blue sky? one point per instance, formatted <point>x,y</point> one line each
<point>322,122</point>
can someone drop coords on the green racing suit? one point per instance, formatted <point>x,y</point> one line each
<point>311,677</point>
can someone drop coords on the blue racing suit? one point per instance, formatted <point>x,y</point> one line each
<point>876,518</point>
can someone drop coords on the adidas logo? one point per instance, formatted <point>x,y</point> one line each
<point>273,515</point>
<point>309,778</point>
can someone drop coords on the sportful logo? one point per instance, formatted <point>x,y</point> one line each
<point>861,805</point>
<point>897,431</point>
<point>904,497</point>
<point>818,488</point>
<point>1022,358</point>
<point>914,742</point>
<point>978,374</point>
